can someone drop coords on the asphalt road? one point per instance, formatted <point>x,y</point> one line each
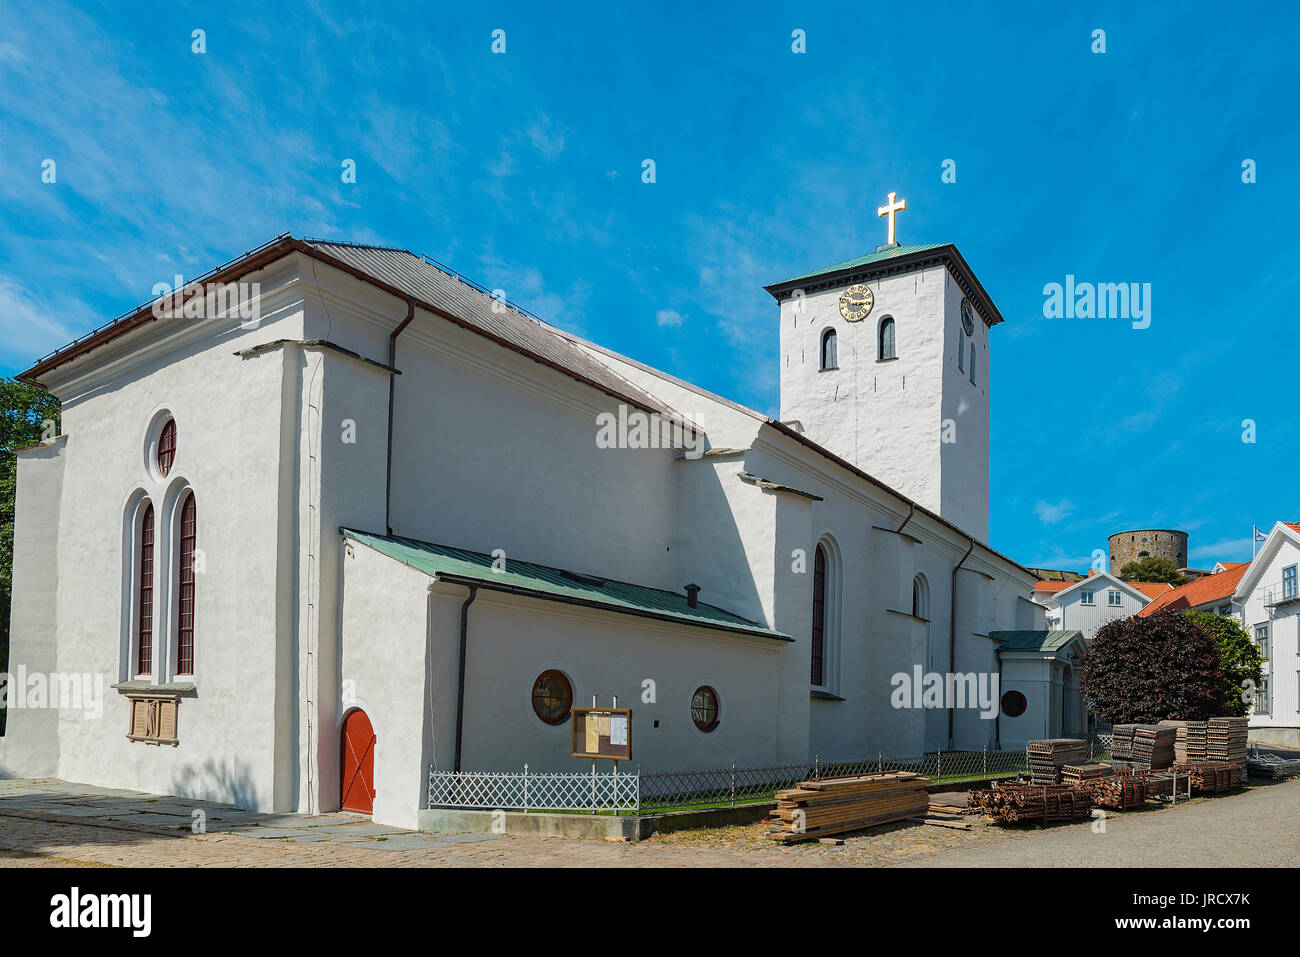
<point>1257,828</point>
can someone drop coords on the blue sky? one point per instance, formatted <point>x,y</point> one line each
<point>522,170</point>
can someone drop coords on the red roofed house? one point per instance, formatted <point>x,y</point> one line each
<point>1211,593</point>
<point>1088,604</point>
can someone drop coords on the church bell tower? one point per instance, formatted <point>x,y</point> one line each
<point>885,362</point>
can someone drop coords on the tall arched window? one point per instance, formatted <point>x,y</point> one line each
<point>921,609</point>
<point>144,628</point>
<point>829,358</point>
<point>972,363</point>
<point>827,575</point>
<point>961,355</point>
<point>886,337</point>
<point>819,617</point>
<point>920,597</point>
<point>185,594</point>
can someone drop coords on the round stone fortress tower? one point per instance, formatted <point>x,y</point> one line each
<point>1134,545</point>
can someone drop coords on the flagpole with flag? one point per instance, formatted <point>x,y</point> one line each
<point>1256,539</point>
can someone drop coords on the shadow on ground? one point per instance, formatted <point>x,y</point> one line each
<point>49,818</point>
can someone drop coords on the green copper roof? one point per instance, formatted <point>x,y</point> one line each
<point>870,259</point>
<point>555,584</point>
<point>1045,641</point>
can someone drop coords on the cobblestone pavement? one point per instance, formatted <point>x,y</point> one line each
<point>54,823</point>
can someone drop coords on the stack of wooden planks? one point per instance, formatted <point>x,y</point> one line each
<point>1122,767</point>
<point>814,809</point>
<point>1121,741</point>
<point>1032,803</point>
<point>941,814</point>
<point>1046,757</point>
<point>1153,745</point>
<point>1189,740</point>
<point>1078,775</point>
<point>1226,741</point>
<point>1209,777</point>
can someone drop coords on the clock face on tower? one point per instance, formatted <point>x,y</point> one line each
<point>967,317</point>
<point>856,302</point>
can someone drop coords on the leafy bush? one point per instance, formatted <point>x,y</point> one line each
<point>1148,669</point>
<point>1153,568</point>
<point>1238,657</point>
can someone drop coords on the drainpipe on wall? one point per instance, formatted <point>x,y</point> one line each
<point>460,681</point>
<point>997,718</point>
<point>392,387</point>
<point>910,512</point>
<point>952,638</point>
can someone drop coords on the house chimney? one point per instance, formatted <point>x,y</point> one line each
<point>693,595</point>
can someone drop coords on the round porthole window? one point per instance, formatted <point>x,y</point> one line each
<point>704,708</point>
<point>1014,704</point>
<point>552,697</point>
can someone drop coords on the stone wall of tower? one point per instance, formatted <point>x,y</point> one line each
<point>887,415</point>
<point>965,424</point>
<point>1137,544</point>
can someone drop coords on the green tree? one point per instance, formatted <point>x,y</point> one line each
<point>27,416</point>
<point>1239,658</point>
<point>1148,669</point>
<point>1153,568</point>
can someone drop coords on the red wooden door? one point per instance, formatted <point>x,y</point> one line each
<point>357,790</point>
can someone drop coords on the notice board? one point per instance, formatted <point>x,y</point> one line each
<point>601,733</point>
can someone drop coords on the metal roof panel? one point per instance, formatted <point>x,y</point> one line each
<point>547,582</point>
<point>437,286</point>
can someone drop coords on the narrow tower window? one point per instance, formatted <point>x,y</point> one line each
<point>886,344</point>
<point>829,358</point>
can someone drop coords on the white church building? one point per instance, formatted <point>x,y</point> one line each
<point>359,519</point>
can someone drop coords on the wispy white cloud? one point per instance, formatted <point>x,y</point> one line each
<point>1050,514</point>
<point>149,187</point>
<point>30,328</point>
<point>546,139</point>
<point>1231,549</point>
<point>1093,520</point>
<point>669,317</point>
<point>526,286</point>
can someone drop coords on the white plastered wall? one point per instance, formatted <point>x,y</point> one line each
<point>229,451</point>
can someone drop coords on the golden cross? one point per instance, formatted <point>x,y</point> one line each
<point>889,211</point>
